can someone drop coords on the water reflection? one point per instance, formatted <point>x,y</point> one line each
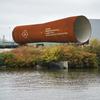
<point>50,85</point>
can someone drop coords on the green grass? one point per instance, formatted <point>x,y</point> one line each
<point>78,56</point>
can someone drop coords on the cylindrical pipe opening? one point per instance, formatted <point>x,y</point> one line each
<point>82,29</point>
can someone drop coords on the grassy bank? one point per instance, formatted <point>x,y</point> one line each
<point>77,56</point>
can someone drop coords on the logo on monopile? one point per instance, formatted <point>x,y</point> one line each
<point>24,34</point>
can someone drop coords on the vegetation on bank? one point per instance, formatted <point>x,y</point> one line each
<point>87,56</point>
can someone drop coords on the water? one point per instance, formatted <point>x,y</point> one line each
<point>50,85</point>
<point>5,50</point>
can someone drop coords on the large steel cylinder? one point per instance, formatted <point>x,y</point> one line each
<point>75,29</point>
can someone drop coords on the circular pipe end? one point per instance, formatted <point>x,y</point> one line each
<point>82,29</point>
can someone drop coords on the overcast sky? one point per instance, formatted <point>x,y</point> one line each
<point>20,12</point>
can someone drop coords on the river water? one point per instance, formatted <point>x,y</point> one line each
<point>81,84</point>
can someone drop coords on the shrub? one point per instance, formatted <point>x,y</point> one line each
<point>94,47</point>
<point>6,58</point>
<point>51,54</point>
<point>77,56</point>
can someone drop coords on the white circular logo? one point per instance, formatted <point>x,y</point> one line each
<point>24,34</point>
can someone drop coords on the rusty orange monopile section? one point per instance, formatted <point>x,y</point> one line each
<point>75,29</point>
